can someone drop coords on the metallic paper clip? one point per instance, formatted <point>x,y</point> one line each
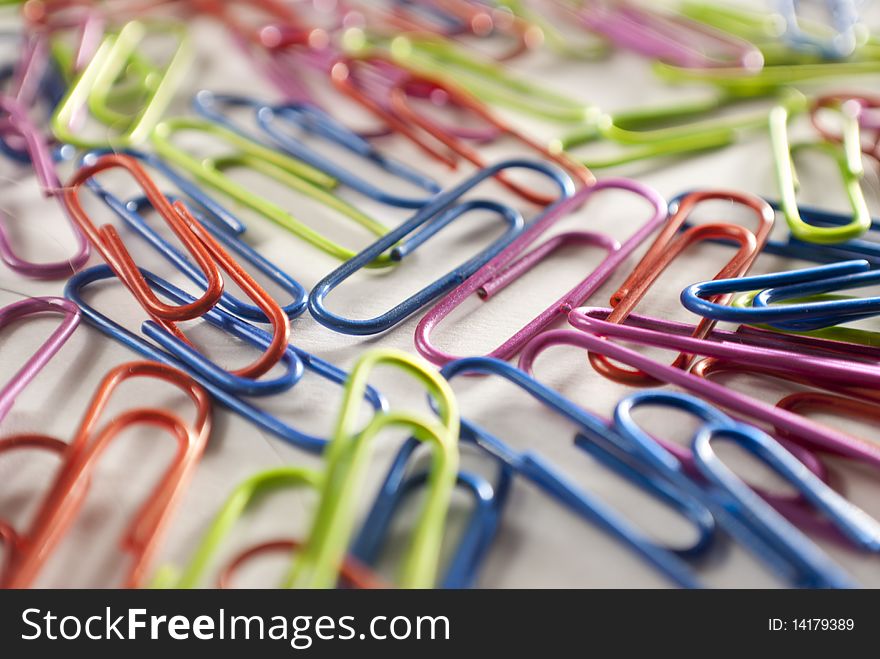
<point>477,537</point>
<point>669,243</point>
<point>848,157</point>
<point>223,387</point>
<point>236,505</point>
<point>347,457</point>
<point>94,85</point>
<point>37,361</point>
<point>595,332</point>
<point>843,20</point>
<point>64,499</point>
<point>317,123</point>
<point>215,219</point>
<point>272,164</point>
<point>514,261</point>
<point>205,250</point>
<point>406,238</point>
<point>544,475</point>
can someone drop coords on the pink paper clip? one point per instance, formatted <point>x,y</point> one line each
<point>514,261</point>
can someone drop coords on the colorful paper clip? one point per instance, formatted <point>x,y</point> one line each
<point>65,497</point>
<point>192,575</point>
<point>671,242</point>
<point>94,85</point>
<point>44,354</point>
<point>223,387</point>
<point>843,19</point>
<point>410,235</point>
<point>514,261</point>
<point>862,105</point>
<point>533,467</point>
<point>347,457</point>
<point>477,537</point>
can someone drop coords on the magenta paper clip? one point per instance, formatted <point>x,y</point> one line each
<point>18,122</point>
<point>511,263</point>
<point>595,333</point>
<point>36,363</point>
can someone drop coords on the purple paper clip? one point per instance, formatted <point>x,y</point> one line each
<point>37,361</point>
<point>511,263</point>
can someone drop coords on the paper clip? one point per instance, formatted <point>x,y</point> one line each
<point>848,157</point>
<point>347,457</point>
<point>595,332</point>
<point>862,105</point>
<point>223,387</point>
<point>44,354</point>
<point>843,20</point>
<point>271,13</point>
<point>738,509</point>
<point>272,164</point>
<point>668,37</point>
<point>405,119</point>
<point>535,468</point>
<point>791,285</point>
<point>671,242</point>
<point>94,85</point>
<point>479,532</point>
<point>37,151</point>
<point>317,123</point>
<point>514,261</point>
<point>410,235</point>
<point>215,219</point>
<point>205,250</point>
<point>64,499</point>
<point>236,505</point>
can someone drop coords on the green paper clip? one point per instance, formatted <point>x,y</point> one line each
<point>347,457</point>
<point>146,87</point>
<point>849,162</point>
<point>553,37</point>
<point>277,166</point>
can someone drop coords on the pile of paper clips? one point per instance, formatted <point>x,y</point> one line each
<point>86,89</point>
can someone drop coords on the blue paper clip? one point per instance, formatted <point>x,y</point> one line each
<point>843,18</point>
<point>778,286</point>
<point>316,122</point>
<point>545,476</point>
<point>181,356</point>
<point>478,535</point>
<point>738,509</point>
<point>218,221</point>
<point>424,224</point>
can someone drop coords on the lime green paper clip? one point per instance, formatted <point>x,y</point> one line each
<point>672,130</point>
<point>554,38</point>
<point>242,497</point>
<point>347,458</point>
<point>292,173</point>
<point>849,162</point>
<point>147,97</point>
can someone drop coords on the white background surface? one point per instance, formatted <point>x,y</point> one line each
<point>539,543</point>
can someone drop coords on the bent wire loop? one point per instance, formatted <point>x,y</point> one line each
<point>742,513</point>
<point>425,223</point>
<point>242,497</point>
<point>848,158</point>
<point>276,123</point>
<point>791,285</point>
<point>347,457</point>
<point>38,153</point>
<point>444,145</point>
<point>842,21</point>
<point>94,85</point>
<point>546,476</point>
<point>65,497</point>
<point>859,104</point>
<point>479,532</point>
<point>594,334</point>
<point>274,165</point>
<point>216,220</point>
<point>514,261</point>
<point>215,380</point>
<point>667,246</point>
<point>206,251</point>
<point>43,355</point>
